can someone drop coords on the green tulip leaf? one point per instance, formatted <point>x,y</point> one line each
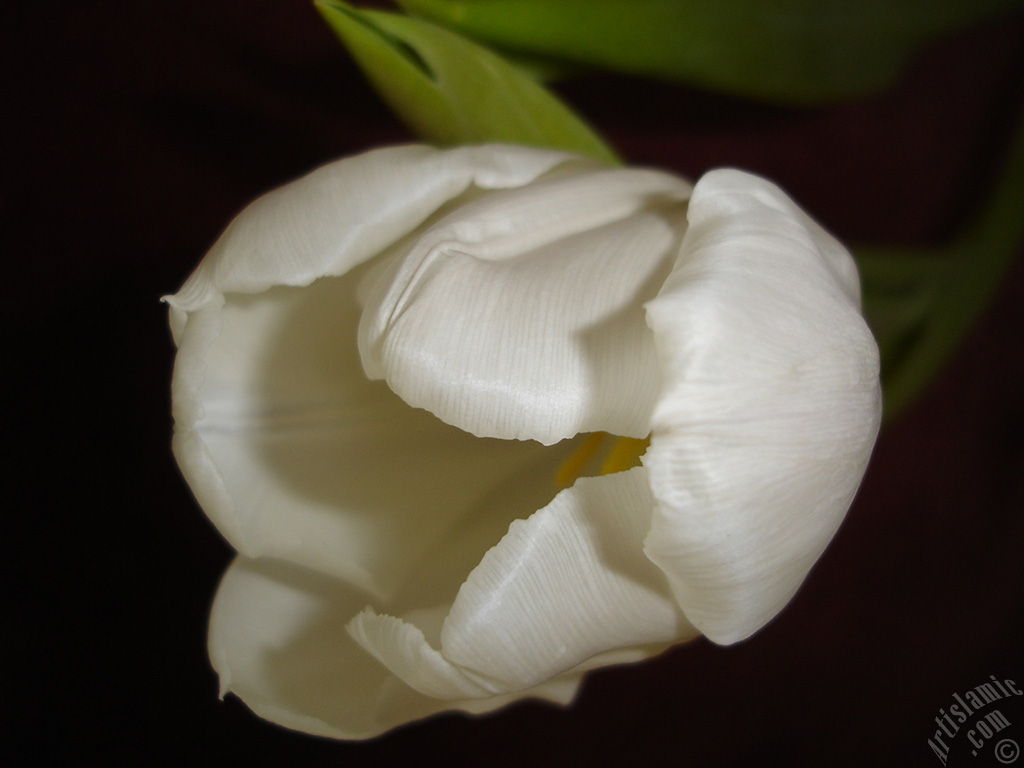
<point>449,90</point>
<point>921,303</point>
<point>787,51</point>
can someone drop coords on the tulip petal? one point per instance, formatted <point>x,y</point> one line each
<point>342,214</point>
<point>288,448</point>
<point>277,640</point>
<point>294,454</point>
<point>520,315</point>
<point>770,408</point>
<point>568,584</point>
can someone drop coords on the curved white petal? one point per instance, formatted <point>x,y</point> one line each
<point>278,641</point>
<point>770,407</point>
<point>519,315</point>
<point>294,454</point>
<point>402,648</point>
<point>288,448</point>
<point>340,215</point>
<point>568,584</point>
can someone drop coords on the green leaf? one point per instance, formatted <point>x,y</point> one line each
<point>920,303</point>
<point>789,51</point>
<point>449,90</point>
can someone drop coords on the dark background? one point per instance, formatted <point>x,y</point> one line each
<point>134,132</point>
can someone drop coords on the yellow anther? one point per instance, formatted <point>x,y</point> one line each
<point>625,454</point>
<point>573,466</point>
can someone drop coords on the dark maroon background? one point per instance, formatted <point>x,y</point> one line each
<point>134,131</point>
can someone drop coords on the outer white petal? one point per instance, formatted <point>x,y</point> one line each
<point>288,448</point>
<point>520,315</point>
<point>568,584</point>
<point>770,407</point>
<point>277,640</point>
<point>294,454</point>
<point>340,215</point>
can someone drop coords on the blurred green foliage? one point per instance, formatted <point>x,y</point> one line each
<point>783,51</point>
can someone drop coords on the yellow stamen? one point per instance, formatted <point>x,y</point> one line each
<point>625,454</point>
<point>573,466</point>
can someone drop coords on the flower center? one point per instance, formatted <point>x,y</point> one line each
<point>600,453</point>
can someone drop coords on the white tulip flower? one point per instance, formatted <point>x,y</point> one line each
<point>478,420</point>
